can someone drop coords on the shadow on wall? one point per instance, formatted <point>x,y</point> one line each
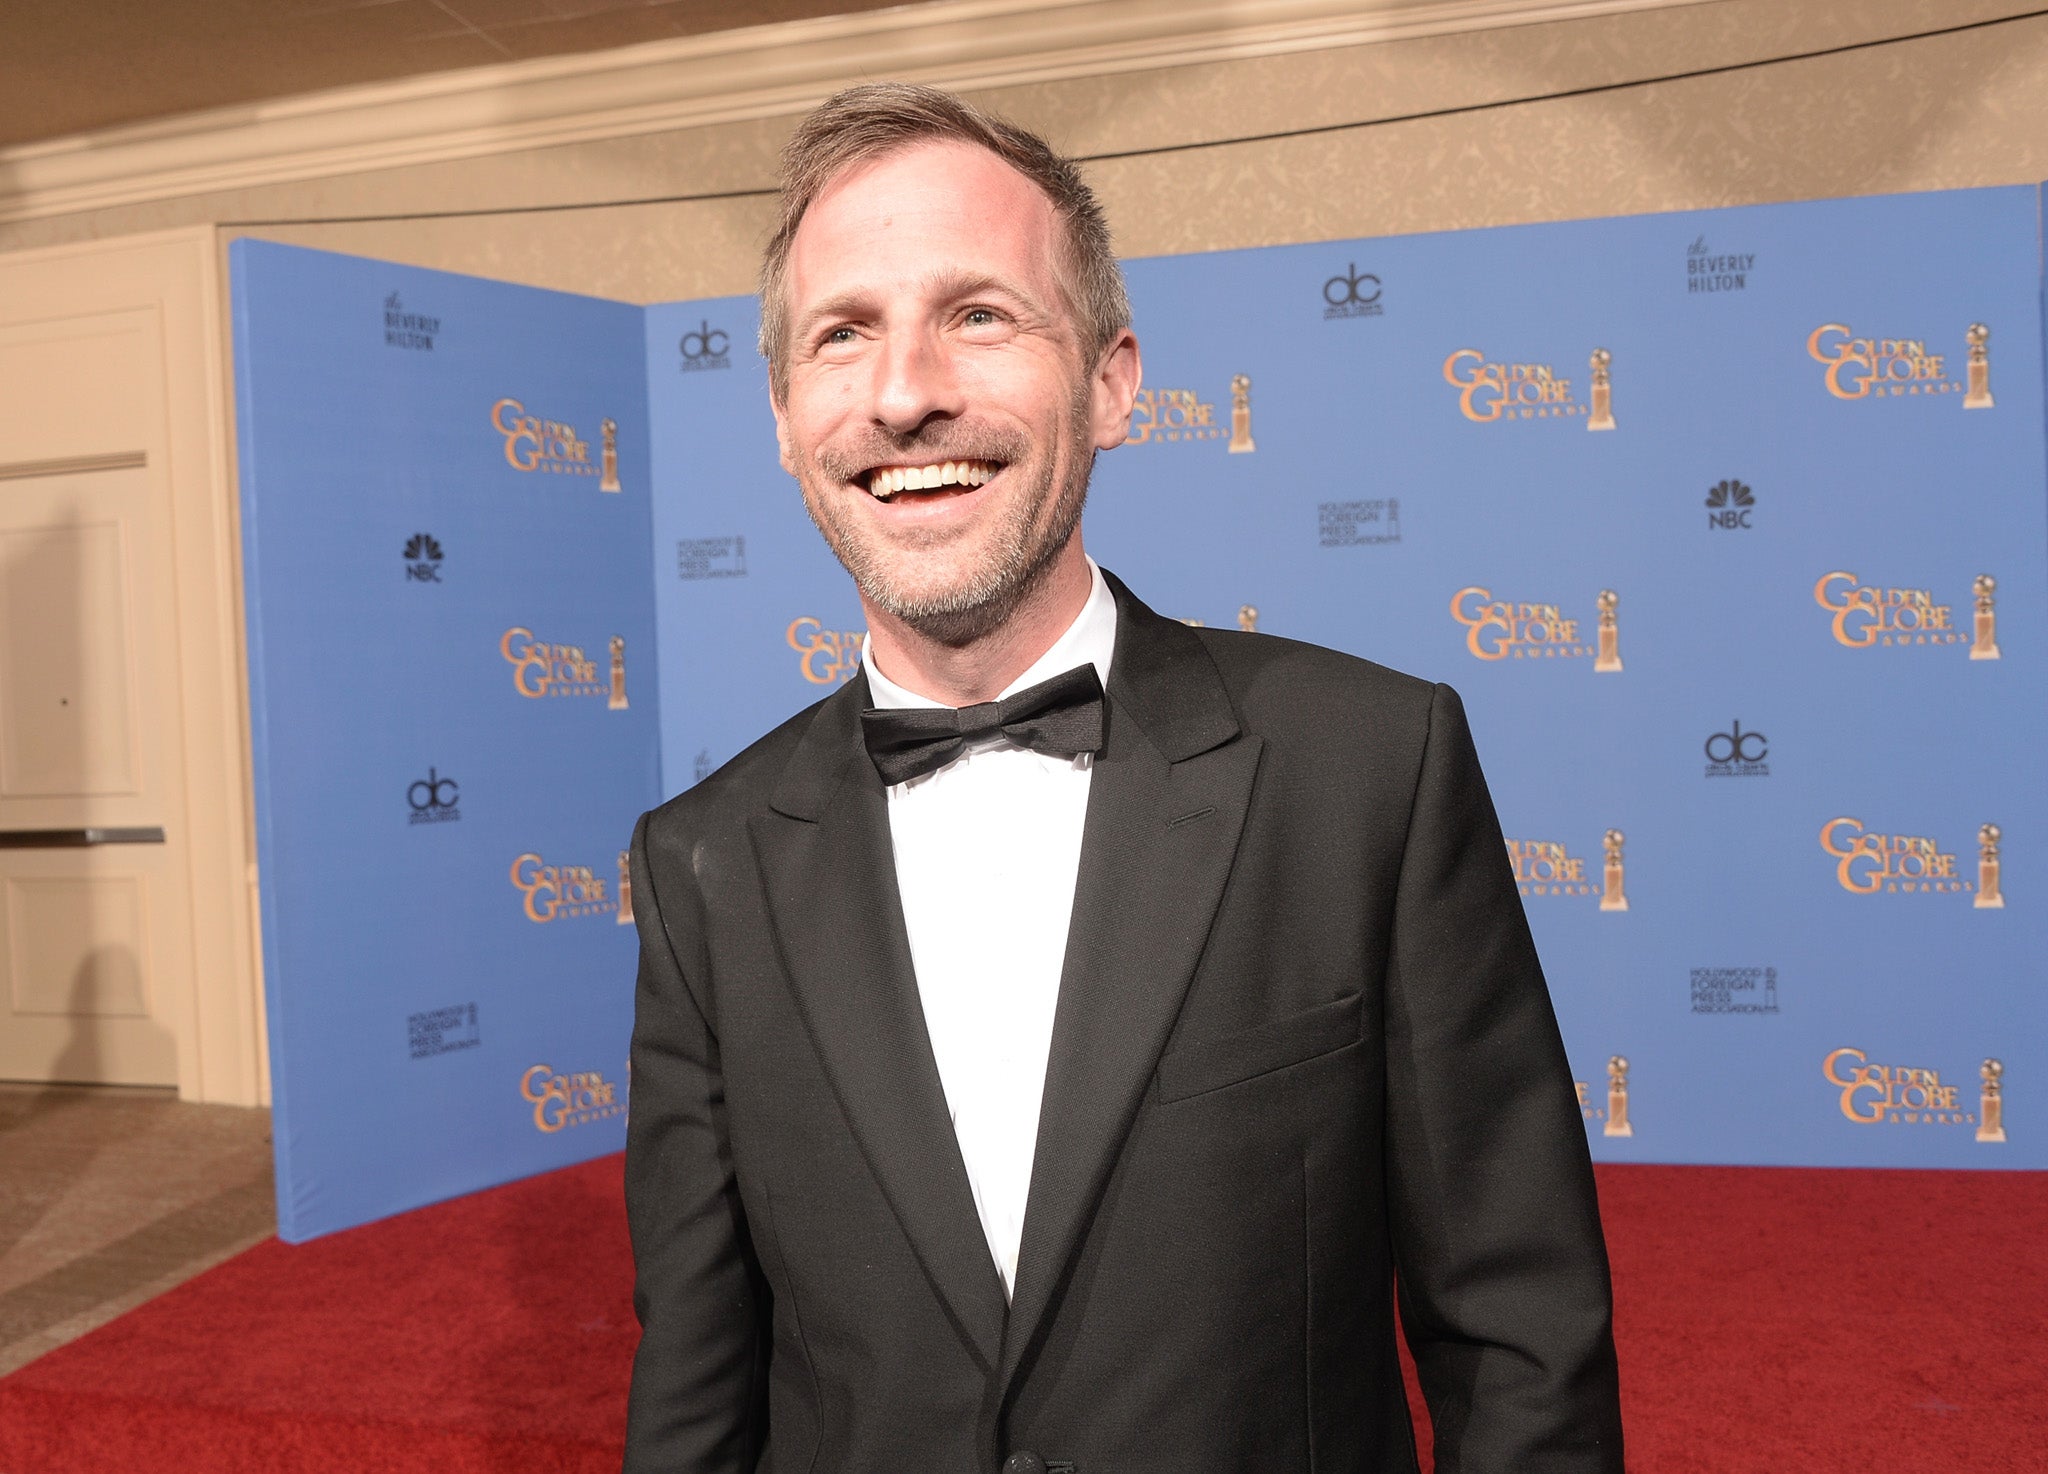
<point>75,990</point>
<point>27,1111</point>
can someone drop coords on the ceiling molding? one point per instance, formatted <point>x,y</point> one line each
<point>756,72</point>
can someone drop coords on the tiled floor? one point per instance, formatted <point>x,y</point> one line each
<point>111,1196</point>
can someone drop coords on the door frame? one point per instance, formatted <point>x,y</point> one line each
<point>222,1053</point>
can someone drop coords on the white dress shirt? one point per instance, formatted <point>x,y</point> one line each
<point>987,849</point>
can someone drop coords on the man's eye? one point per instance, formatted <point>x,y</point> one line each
<point>981,317</point>
<point>839,335</point>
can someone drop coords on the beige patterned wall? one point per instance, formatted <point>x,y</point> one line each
<point>1582,118</point>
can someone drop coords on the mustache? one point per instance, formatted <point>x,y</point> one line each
<point>937,440</point>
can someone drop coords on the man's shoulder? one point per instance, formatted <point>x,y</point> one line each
<point>1275,681</point>
<point>725,798</point>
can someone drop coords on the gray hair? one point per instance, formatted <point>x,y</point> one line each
<point>869,122</point>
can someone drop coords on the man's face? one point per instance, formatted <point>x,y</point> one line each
<point>938,412</point>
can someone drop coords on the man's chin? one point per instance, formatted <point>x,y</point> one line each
<point>954,616</point>
<point>961,609</point>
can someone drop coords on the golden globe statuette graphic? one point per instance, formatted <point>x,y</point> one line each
<point>1241,415</point>
<point>1602,417</point>
<point>1991,1102</point>
<point>1609,658</point>
<point>610,479</point>
<point>618,697</point>
<point>625,888</point>
<point>1612,896</point>
<point>1618,1123</point>
<point>1979,395</point>
<point>1989,896</point>
<point>1248,618</point>
<point>1985,646</point>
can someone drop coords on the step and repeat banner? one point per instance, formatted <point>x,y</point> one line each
<point>445,523</point>
<point>1730,527</point>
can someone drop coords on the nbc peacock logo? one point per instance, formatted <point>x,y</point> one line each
<point>1729,504</point>
<point>422,558</point>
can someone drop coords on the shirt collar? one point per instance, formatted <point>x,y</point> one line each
<point>1091,638</point>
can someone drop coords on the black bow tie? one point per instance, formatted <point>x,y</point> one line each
<point>1062,715</point>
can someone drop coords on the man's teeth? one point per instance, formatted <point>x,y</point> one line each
<point>886,481</point>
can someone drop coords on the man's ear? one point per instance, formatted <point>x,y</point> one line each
<point>1114,390</point>
<point>781,425</point>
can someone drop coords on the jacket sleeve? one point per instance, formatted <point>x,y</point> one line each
<point>698,1403</point>
<point>1502,1268</point>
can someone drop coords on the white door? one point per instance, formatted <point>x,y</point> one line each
<point>95,942</point>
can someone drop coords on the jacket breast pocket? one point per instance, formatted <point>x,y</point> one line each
<point>1211,1064</point>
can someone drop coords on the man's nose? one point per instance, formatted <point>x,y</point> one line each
<point>915,382</point>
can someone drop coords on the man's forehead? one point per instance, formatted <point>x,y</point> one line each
<point>933,192</point>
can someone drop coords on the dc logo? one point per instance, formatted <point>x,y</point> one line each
<point>706,347</point>
<point>1725,749</point>
<point>433,798</point>
<point>1353,294</point>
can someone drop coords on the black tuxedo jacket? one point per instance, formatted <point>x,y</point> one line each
<point>1303,1051</point>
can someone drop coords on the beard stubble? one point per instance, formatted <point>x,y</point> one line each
<point>1018,551</point>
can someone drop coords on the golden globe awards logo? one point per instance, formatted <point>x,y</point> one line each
<point>547,668</point>
<point>1868,863</point>
<point>536,444</point>
<point>1867,616</point>
<point>1171,415</point>
<point>824,657</point>
<point>1610,1108</point>
<point>561,1101</point>
<point>1489,392</point>
<point>1163,415</point>
<point>1545,867</point>
<point>559,892</point>
<point>1885,1094</point>
<point>1508,629</point>
<point>1857,367</point>
<point>1247,620</point>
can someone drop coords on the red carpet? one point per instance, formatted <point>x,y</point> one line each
<point>1770,1321</point>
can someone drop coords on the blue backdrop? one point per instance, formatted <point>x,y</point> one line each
<point>1430,484</point>
<point>435,570</point>
<point>1750,817</point>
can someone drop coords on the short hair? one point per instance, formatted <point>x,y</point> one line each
<point>872,121</point>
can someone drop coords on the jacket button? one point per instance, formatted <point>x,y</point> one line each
<point>1023,1462</point>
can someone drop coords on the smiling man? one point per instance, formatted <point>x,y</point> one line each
<point>1052,1049</point>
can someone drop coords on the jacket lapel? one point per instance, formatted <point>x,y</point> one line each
<point>830,874</point>
<point>1165,807</point>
